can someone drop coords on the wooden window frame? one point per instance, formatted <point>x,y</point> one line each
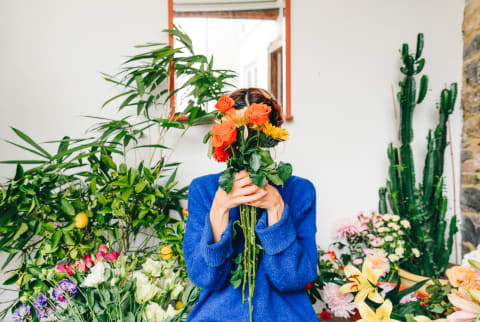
<point>242,14</point>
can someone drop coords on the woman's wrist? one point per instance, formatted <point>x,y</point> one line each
<point>219,218</point>
<point>275,213</point>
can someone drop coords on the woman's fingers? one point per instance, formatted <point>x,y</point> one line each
<point>246,190</point>
<point>240,175</point>
<point>252,197</point>
<point>244,181</point>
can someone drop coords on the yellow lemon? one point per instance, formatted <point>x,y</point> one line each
<point>81,220</point>
<point>178,305</point>
<point>185,212</point>
<point>19,281</point>
<point>166,253</point>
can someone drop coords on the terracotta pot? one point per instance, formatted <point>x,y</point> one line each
<point>409,279</point>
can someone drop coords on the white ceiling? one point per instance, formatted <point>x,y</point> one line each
<point>225,5</point>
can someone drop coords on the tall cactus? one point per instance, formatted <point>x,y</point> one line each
<point>424,205</point>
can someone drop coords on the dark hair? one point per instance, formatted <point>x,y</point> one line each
<point>246,96</point>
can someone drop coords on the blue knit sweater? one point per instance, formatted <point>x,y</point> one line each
<point>286,266</point>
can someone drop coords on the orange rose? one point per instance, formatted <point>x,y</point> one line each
<point>220,154</point>
<point>224,133</point>
<point>225,103</point>
<point>258,113</point>
<point>458,275</point>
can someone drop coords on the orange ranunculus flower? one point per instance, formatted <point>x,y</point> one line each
<point>224,133</point>
<point>225,103</point>
<point>220,154</point>
<point>258,113</point>
<point>458,275</point>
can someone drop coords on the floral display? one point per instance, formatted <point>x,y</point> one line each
<point>113,287</point>
<point>242,139</point>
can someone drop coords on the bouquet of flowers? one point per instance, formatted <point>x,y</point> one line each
<point>110,287</point>
<point>242,138</point>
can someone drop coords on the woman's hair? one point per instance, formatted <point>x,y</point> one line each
<point>246,96</point>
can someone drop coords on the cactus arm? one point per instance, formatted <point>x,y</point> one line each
<point>429,169</point>
<point>419,50</point>
<point>423,89</point>
<point>382,203</point>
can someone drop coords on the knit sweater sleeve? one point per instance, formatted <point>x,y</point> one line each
<point>290,258</point>
<point>208,263</point>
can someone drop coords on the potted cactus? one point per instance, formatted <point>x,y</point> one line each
<point>423,204</point>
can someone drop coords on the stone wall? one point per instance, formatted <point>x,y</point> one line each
<point>470,193</point>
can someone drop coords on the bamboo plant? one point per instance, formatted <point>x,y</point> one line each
<point>423,204</point>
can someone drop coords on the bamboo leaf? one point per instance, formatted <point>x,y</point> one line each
<point>30,141</point>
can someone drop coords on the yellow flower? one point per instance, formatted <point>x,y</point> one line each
<point>20,279</point>
<point>81,220</point>
<point>275,131</point>
<point>178,305</point>
<point>166,253</point>
<point>364,283</point>
<point>381,315</point>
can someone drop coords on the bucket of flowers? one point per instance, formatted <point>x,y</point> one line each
<point>109,286</point>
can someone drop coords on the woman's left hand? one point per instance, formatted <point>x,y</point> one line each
<point>272,202</point>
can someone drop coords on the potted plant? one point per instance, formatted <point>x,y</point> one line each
<point>424,204</point>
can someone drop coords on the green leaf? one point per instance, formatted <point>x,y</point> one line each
<point>258,179</point>
<point>67,207</point>
<point>274,178</point>
<point>56,238</point>
<point>226,181</point>
<point>23,228</point>
<point>140,186</point>
<point>30,141</point>
<point>93,185</point>
<point>255,161</point>
<point>109,162</point>
<point>284,171</point>
<point>115,97</point>
<point>140,85</point>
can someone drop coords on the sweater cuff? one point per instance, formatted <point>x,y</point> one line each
<point>279,236</point>
<point>215,254</point>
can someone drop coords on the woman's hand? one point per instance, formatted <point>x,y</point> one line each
<point>243,192</point>
<point>272,202</point>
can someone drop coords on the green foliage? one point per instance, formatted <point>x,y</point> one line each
<point>424,205</point>
<point>124,204</point>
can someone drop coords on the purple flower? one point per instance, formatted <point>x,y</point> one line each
<point>65,286</point>
<point>68,286</point>
<point>41,306</point>
<point>23,313</point>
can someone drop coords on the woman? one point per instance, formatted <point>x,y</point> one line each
<point>286,230</point>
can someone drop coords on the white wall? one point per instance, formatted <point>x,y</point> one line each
<point>344,60</point>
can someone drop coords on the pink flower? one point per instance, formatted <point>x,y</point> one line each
<point>100,255</point>
<point>88,260</point>
<point>341,306</point>
<point>81,267</point>
<point>113,256</point>
<point>61,268</point>
<point>379,259</point>
<point>103,248</point>
<point>357,261</point>
<point>351,228</point>
<point>70,270</point>
<point>467,309</point>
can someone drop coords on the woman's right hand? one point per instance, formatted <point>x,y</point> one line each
<point>243,192</point>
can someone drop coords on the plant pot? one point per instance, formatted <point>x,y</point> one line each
<point>356,316</point>
<point>409,279</point>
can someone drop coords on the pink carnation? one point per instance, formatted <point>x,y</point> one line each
<point>342,306</point>
<point>62,268</point>
<point>81,267</point>
<point>100,255</point>
<point>103,248</point>
<point>379,259</point>
<point>88,260</point>
<point>351,228</point>
<point>112,256</point>
<point>70,270</point>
